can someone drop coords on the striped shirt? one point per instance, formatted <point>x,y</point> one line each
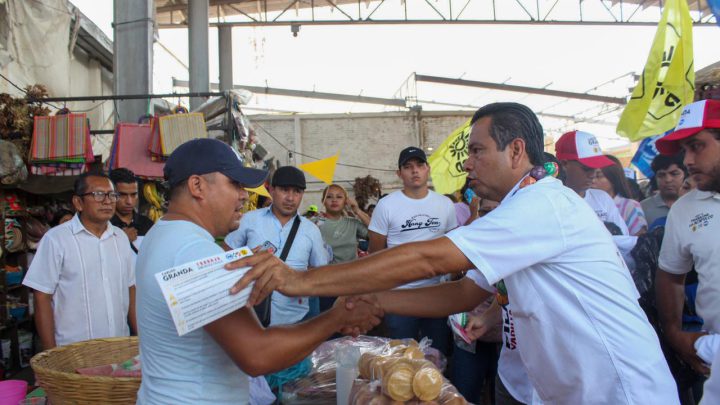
<point>632,213</point>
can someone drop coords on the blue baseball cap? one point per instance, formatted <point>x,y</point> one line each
<point>206,155</point>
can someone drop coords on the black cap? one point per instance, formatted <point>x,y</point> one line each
<point>288,176</point>
<point>409,153</point>
<point>206,155</point>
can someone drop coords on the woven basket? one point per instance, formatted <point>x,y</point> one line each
<point>55,372</point>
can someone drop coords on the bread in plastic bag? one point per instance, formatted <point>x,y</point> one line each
<point>366,392</point>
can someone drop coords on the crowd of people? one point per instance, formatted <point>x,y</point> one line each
<point>579,285</point>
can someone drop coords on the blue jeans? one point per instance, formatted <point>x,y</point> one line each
<point>436,329</point>
<point>471,371</point>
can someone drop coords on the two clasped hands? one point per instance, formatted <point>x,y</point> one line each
<point>356,315</point>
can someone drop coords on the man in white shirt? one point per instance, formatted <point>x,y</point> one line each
<point>580,155</point>
<point>83,272</point>
<point>691,232</point>
<point>582,336</point>
<point>413,214</point>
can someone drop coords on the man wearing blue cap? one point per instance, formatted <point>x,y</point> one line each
<point>211,365</point>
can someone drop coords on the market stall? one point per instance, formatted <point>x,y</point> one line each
<point>41,155</point>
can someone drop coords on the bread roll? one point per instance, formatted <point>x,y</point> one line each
<point>427,383</point>
<point>396,342</point>
<point>364,365</point>
<point>413,352</point>
<point>398,382</point>
<point>452,398</point>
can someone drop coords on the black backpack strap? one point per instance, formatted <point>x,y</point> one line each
<point>263,309</point>
<point>290,239</point>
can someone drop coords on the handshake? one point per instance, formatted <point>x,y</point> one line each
<point>357,314</point>
<point>354,315</point>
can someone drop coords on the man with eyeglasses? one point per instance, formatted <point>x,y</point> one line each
<point>83,273</point>
<point>126,216</point>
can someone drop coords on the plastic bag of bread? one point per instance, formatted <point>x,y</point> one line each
<point>405,379</point>
<point>412,349</point>
<point>370,392</point>
<point>318,387</point>
<point>371,363</point>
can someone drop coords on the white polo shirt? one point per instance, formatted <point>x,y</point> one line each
<point>88,277</point>
<point>692,237</point>
<point>582,335</point>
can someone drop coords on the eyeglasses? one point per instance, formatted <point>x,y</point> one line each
<point>100,196</point>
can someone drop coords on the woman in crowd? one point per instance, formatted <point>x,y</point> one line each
<point>612,180</point>
<point>339,230</point>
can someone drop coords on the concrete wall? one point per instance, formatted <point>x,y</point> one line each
<point>371,142</point>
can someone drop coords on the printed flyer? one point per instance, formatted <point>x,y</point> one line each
<point>198,292</point>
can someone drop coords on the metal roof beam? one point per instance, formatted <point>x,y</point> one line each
<point>396,102</point>
<point>520,89</point>
<point>708,23</point>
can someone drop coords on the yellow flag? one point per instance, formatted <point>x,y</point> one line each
<point>668,80</point>
<point>260,190</point>
<point>323,169</point>
<point>446,163</point>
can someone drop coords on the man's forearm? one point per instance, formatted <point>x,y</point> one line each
<point>293,343</point>
<point>45,320</point>
<point>383,270</point>
<point>132,318</point>
<point>263,351</point>
<point>670,296</point>
<point>433,302</point>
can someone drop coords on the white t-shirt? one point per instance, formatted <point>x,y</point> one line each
<point>403,219</point>
<point>188,369</point>
<point>692,237</point>
<point>89,279</point>
<point>605,208</point>
<point>583,337</point>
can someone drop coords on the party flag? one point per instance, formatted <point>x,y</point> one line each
<point>260,190</point>
<point>323,169</point>
<point>446,163</point>
<point>668,80</point>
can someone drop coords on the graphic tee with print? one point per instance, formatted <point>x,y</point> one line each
<point>692,237</point>
<point>403,219</point>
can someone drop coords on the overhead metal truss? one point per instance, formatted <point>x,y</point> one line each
<point>173,13</point>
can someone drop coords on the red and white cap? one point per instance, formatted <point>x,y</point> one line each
<point>694,118</point>
<point>583,147</point>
